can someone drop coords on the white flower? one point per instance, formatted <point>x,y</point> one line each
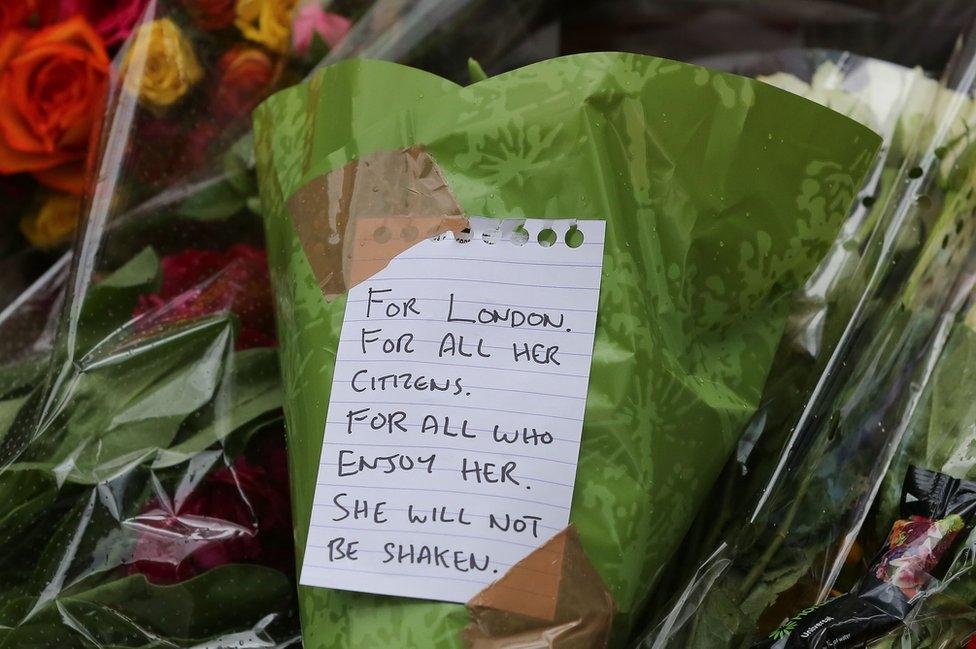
<point>827,89</point>
<point>902,105</point>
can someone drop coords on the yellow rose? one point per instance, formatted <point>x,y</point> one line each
<point>160,66</point>
<point>54,223</point>
<point>266,21</point>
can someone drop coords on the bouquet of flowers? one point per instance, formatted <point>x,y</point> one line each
<point>143,464</point>
<point>201,66</point>
<point>644,468</point>
<point>813,478</point>
<point>142,460</point>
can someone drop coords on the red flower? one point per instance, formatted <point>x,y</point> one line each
<point>21,14</point>
<point>238,514</point>
<point>162,166</point>
<point>212,14</point>
<point>154,165</point>
<point>112,19</point>
<point>246,76</point>
<point>197,148</point>
<point>14,15</point>
<point>202,282</point>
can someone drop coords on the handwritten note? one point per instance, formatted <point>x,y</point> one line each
<point>456,411</point>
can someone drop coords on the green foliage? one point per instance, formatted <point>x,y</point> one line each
<point>131,612</point>
<point>109,303</point>
<point>224,196</point>
<point>82,452</point>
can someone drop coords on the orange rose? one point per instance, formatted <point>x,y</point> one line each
<point>52,88</point>
<point>246,75</point>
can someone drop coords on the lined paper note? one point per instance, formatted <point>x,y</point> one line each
<point>456,412</point>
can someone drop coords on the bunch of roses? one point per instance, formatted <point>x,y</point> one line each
<point>196,67</point>
<point>162,66</point>
<point>166,72</point>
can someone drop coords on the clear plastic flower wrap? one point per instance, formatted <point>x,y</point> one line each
<point>141,448</point>
<point>906,32</point>
<point>665,406</point>
<point>810,482</point>
<point>143,471</point>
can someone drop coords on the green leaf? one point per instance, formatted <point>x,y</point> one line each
<point>132,612</point>
<point>15,377</point>
<point>251,389</point>
<point>239,167</point>
<point>128,401</point>
<point>109,303</point>
<point>27,497</point>
<point>254,205</point>
<point>317,49</point>
<point>243,150</point>
<point>9,409</point>
<point>475,71</point>
<point>723,620</point>
<point>141,272</point>
<point>951,438</point>
<point>217,200</point>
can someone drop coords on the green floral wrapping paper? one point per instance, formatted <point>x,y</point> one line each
<point>721,194</point>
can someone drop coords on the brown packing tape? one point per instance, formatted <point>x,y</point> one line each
<point>552,599</point>
<point>352,221</point>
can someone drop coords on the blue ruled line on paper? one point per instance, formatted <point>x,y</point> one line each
<point>470,494</point>
<point>491,303</point>
<point>471,260</point>
<point>479,387</point>
<point>494,562</point>
<point>571,440</point>
<point>438,342</point>
<point>379,320</point>
<point>461,407</point>
<point>494,282</point>
<point>387,530</point>
<point>522,478</point>
<point>425,576</point>
<point>459,450</point>
<point>423,510</point>
<point>479,367</point>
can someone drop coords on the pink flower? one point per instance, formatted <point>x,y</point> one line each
<point>112,19</point>
<point>312,19</point>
